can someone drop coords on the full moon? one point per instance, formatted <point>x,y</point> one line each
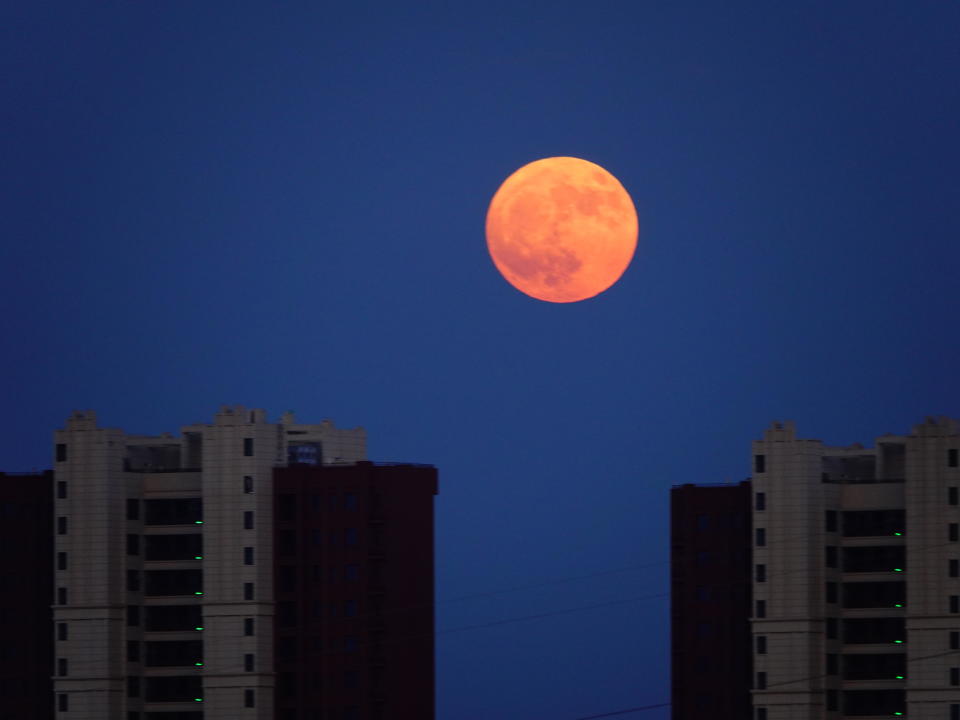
<point>561,229</point>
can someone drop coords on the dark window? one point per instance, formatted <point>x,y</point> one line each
<point>62,667</point>
<point>954,676</point>
<point>186,511</point>
<point>761,714</point>
<point>761,609</point>
<point>874,702</point>
<point>174,653</point>
<point>350,679</point>
<point>248,662</point>
<point>133,651</point>
<point>61,452</point>
<point>61,525</point>
<point>761,537</point>
<point>350,608</point>
<point>761,573</point>
<point>867,523</point>
<point>248,519</point>
<point>953,532</point>
<point>955,711</point>
<point>350,643</point>
<point>952,457</point>
<point>831,592</point>
<point>288,578</point>
<point>287,647</point>
<point>883,666</point>
<point>874,594</point>
<point>953,568</point>
<point>168,618</point>
<point>61,561</point>
<point>176,688</point>
<point>248,556</point>
<point>954,640</point>
<point>874,630</point>
<point>133,509</point>
<point>288,507</point>
<point>704,629</point>
<point>759,463</point>
<point>248,484</point>
<point>61,489</point>
<point>955,603</point>
<point>133,615</point>
<point>830,520</point>
<point>350,536</point>
<point>248,591</point>
<point>761,681</point>
<point>831,663</point>
<point>833,701</point>
<point>831,628</point>
<point>952,495</point>
<point>703,558</point>
<point>249,699</point>
<point>892,558</point>
<point>133,581</point>
<point>173,582</point>
<point>248,626</point>
<point>61,596</point>
<point>248,447</point>
<point>760,501</point>
<point>350,501</point>
<point>133,686</point>
<point>761,644</point>
<point>134,715</point>
<point>63,704</point>
<point>287,614</point>
<point>173,547</point>
<point>703,523</point>
<point>61,631</point>
<point>830,556</point>
<point>133,544</point>
<point>352,572</point>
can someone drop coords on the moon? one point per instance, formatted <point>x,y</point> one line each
<point>561,229</point>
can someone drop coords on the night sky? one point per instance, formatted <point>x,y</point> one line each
<point>282,205</point>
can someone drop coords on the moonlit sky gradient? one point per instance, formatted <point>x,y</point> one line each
<point>282,205</point>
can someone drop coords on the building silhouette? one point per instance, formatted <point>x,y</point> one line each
<point>244,569</point>
<point>854,576</point>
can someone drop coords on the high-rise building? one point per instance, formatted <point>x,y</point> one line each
<point>26,585</point>
<point>855,577</point>
<point>199,577</point>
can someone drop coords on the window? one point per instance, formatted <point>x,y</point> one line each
<point>61,489</point>
<point>248,447</point>
<point>955,711</point>
<point>133,509</point>
<point>248,484</point>
<point>61,631</point>
<point>249,698</point>
<point>874,594</point>
<point>760,501</point>
<point>761,713</point>
<point>248,556</point>
<point>61,525</point>
<point>133,581</point>
<point>133,615</point>
<point>352,572</point>
<point>704,629</point>
<point>703,523</point>
<point>167,618</point>
<point>833,701</point>
<point>703,558</point>
<point>61,596</point>
<point>953,532</point>
<point>952,457</point>
<point>288,507</point>
<point>133,651</point>
<point>761,611</point>
<point>248,519</point>
<point>350,643</point>
<point>63,703</point>
<point>832,664</point>
<point>830,556</point>
<point>761,573</point>
<point>133,686</point>
<point>350,679</point>
<point>867,523</point>
<point>248,662</point>
<point>61,561</point>
<point>759,463</point>
<point>954,676</point>
<point>831,592</point>
<point>248,626</point>
<point>350,536</point>
<point>248,591</point>
<point>761,537</point>
<point>830,520</point>
<point>952,495</point>
<point>61,452</point>
<point>350,501</point>
<point>703,593</point>
<point>761,681</point>
<point>831,629</point>
<point>953,568</point>
<point>761,644</point>
<point>955,603</point>
<point>350,608</point>
<point>954,640</point>
<point>133,544</point>
<point>861,631</point>
<point>62,667</point>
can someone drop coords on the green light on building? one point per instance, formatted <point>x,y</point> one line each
<point>899,677</point>
<point>198,628</point>
<point>198,664</point>
<point>898,534</point>
<point>198,557</point>
<point>898,569</point>
<point>198,699</point>
<point>198,593</point>
<point>898,642</point>
<point>899,605</point>
<point>200,522</point>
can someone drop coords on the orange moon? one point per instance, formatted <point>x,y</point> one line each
<point>561,229</point>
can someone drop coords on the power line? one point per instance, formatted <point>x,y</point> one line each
<point>623,712</point>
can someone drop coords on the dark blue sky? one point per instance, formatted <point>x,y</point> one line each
<point>282,205</point>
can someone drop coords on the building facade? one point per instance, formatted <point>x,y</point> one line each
<point>165,602</point>
<point>855,577</point>
<point>26,584</point>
